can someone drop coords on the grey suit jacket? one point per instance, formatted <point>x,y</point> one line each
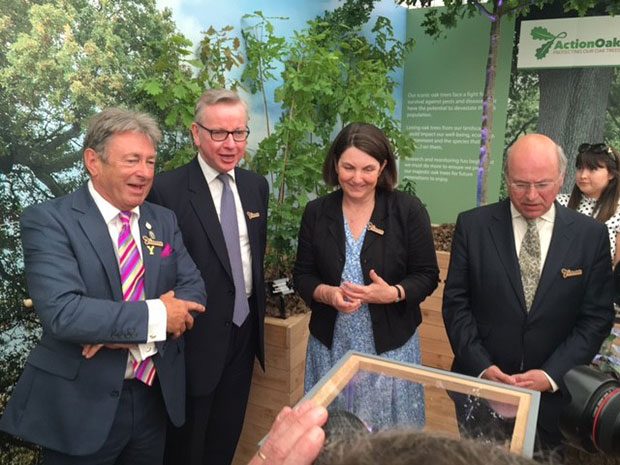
<point>63,401</point>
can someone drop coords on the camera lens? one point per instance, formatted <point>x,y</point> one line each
<point>592,419</point>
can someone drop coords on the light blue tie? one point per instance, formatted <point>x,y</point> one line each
<point>230,228</point>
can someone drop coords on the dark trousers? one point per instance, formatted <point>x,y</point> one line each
<point>214,422</point>
<point>137,435</point>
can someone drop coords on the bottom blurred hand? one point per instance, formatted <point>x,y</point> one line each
<point>295,438</point>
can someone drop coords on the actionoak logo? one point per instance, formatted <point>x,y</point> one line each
<point>541,33</point>
<point>553,41</point>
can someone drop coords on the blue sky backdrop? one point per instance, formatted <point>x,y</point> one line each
<point>195,16</point>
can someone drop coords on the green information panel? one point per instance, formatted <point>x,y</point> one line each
<point>442,111</point>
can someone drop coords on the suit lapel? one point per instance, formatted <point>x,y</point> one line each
<point>561,240</point>
<point>96,232</point>
<point>250,206</point>
<point>202,203</point>
<point>377,219</point>
<point>151,261</point>
<point>502,236</point>
<point>335,219</point>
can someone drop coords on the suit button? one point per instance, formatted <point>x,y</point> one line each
<point>114,393</point>
<point>227,323</point>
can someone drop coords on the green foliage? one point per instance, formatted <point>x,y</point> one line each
<point>332,75</point>
<point>218,54</point>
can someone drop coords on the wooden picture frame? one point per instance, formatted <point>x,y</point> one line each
<point>439,407</point>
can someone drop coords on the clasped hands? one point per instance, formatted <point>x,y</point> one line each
<point>348,297</point>
<point>178,320</point>
<point>531,379</point>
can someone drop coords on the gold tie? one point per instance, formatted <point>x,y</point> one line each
<point>529,262</point>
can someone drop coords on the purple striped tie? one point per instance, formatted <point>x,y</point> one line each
<point>132,282</point>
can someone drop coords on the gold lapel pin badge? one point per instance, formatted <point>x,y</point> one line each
<point>567,273</point>
<point>252,215</point>
<point>371,227</point>
<point>151,243</point>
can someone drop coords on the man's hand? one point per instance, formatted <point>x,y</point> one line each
<point>493,373</point>
<point>89,350</point>
<point>178,317</point>
<point>533,379</point>
<point>295,438</point>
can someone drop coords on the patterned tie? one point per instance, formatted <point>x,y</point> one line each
<point>132,282</point>
<point>529,262</point>
<point>230,228</point>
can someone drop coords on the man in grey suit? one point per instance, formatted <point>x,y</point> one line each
<point>529,290</point>
<point>113,286</point>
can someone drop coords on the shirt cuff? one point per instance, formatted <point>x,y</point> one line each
<point>554,386</point>
<point>156,330</point>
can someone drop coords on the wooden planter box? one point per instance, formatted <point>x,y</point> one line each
<point>282,382</point>
<point>436,351</point>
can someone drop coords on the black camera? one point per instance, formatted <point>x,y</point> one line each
<point>592,419</point>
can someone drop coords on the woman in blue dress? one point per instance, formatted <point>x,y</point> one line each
<point>365,261</point>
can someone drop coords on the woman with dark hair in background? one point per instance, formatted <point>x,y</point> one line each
<point>597,194</point>
<point>597,191</point>
<point>365,261</point>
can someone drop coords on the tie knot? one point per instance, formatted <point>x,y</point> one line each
<point>531,224</point>
<point>125,218</point>
<point>225,178</point>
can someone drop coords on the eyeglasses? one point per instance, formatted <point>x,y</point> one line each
<point>526,186</point>
<point>220,135</point>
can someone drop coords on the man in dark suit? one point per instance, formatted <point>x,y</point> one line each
<point>96,388</point>
<point>529,289</point>
<point>225,340</point>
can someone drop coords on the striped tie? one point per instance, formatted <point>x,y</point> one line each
<point>132,282</point>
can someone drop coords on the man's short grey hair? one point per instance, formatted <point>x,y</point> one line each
<point>111,121</point>
<point>215,96</point>
<point>562,161</point>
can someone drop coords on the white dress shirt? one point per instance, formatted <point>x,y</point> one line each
<point>216,187</point>
<point>157,317</point>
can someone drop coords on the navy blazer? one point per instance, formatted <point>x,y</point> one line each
<point>63,401</point>
<point>403,254</point>
<point>186,192</point>
<point>484,305</point>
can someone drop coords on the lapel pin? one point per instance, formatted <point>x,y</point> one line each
<point>567,273</point>
<point>148,225</point>
<point>151,243</point>
<point>151,234</point>
<point>371,227</point>
<point>252,215</point>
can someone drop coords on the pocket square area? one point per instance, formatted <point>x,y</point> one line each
<point>166,251</point>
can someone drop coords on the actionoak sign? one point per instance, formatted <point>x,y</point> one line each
<point>570,42</point>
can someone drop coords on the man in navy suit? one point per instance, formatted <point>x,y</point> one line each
<point>221,348</point>
<point>529,338</point>
<point>109,367</point>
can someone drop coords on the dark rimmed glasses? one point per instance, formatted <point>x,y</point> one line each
<point>220,135</point>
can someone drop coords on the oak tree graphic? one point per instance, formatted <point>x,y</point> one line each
<point>541,33</point>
